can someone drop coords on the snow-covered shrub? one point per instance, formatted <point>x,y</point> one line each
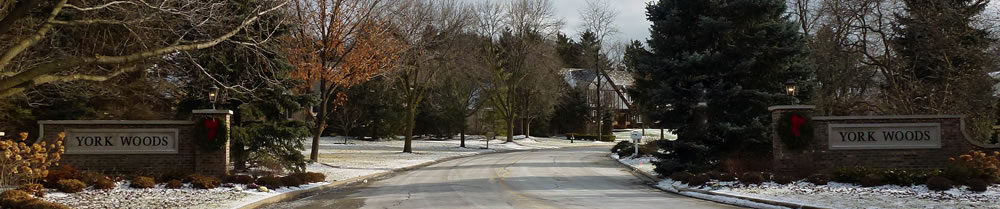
<point>682,176</point>
<point>978,185</point>
<point>174,184</point>
<point>723,176</point>
<point>819,179</point>
<point>70,185</point>
<point>938,183</point>
<point>91,178</point>
<point>104,184</point>
<point>142,182</point>
<point>871,180</point>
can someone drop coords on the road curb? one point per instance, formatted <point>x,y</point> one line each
<point>351,181</point>
<point>655,180</point>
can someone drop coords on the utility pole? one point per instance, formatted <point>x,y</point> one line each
<point>600,112</point>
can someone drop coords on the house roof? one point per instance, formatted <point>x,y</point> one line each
<point>575,77</point>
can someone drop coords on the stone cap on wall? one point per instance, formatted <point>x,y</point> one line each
<point>212,111</point>
<point>791,107</point>
<point>888,117</point>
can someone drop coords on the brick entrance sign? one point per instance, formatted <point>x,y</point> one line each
<point>904,141</point>
<point>138,146</point>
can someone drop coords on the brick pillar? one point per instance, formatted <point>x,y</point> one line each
<point>786,161</point>
<point>214,163</point>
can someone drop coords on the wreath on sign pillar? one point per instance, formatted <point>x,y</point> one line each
<point>795,130</point>
<point>210,133</point>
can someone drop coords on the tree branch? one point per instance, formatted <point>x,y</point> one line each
<point>31,40</point>
<point>19,11</point>
<point>99,6</point>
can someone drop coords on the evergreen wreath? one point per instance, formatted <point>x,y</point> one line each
<point>795,138</point>
<point>210,133</point>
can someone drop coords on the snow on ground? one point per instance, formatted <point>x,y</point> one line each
<point>835,195</point>
<point>337,160</point>
<point>650,134</point>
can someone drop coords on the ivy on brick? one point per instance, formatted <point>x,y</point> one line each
<point>795,130</point>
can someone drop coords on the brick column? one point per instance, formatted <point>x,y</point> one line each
<point>214,163</point>
<point>786,161</point>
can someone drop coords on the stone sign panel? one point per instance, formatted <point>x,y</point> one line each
<point>884,136</point>
<point>121,141</point>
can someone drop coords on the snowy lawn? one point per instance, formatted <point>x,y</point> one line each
<point>832,195</point>
<point>337,160</point>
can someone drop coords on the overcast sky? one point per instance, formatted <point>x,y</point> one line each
<point>631,22</point>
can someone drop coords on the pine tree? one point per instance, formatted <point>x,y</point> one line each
<point>944,64</point>
<point>733,55</point>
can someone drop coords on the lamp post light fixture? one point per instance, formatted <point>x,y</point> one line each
<point>791,88</point>
<point>213,95</point>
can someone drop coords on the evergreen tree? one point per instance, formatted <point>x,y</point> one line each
<point>945,65</point>
<point>733,55</point>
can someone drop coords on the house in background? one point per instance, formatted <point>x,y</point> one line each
<point>613,93</point>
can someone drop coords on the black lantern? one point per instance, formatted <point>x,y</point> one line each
<point>791,88</point>
<point>213,95</point>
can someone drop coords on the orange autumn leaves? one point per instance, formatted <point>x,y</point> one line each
<point>340,43</point>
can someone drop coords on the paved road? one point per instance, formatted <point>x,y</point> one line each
<point>563,178</point>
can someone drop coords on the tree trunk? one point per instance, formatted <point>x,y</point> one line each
<point>510,129</point>
<point>527,128</point>
<point>410,122</point>
<point>314,152</point>
<point>462,133</point>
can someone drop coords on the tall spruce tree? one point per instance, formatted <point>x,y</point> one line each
<point>944,63</point>
<point>733,55</point>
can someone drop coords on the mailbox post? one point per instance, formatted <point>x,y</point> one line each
<point>636,137</point>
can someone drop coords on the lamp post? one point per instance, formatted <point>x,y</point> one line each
<point>213,95</point>
<point>791,88</point>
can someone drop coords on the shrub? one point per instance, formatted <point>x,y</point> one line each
<point>974,165</point>
<point>91,178</point>
<point>270,182</point>
<point>13,198</point>
<point>142,182</point>
<point>784,179</point>
<point>175,174</point>
<point>852,174</point>
<point>978,185</point>
<point>63,172</point>
<point>682,176</point>
<point>104,184</point>
<point>938,183</point>
<point>699,180</point>
<point>749,178</point>
<point>723,176</point>
<point>204,182</point>
<point>292,180</point>
<point>768,176</point>
<point>819,179</point>
<point>70,185</point>
<point>871,180</point>
<point>623,148</point>
<point>239,179</point>
<point>316,177</point>
<point>22,161</point>
<point>33,189</point>
<point>649,148</point>
<point>174,184</point>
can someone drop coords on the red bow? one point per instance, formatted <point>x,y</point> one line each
<point>797,122</point>
<point>212,125</point>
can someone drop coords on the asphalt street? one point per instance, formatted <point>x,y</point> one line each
<point>559,178</point>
